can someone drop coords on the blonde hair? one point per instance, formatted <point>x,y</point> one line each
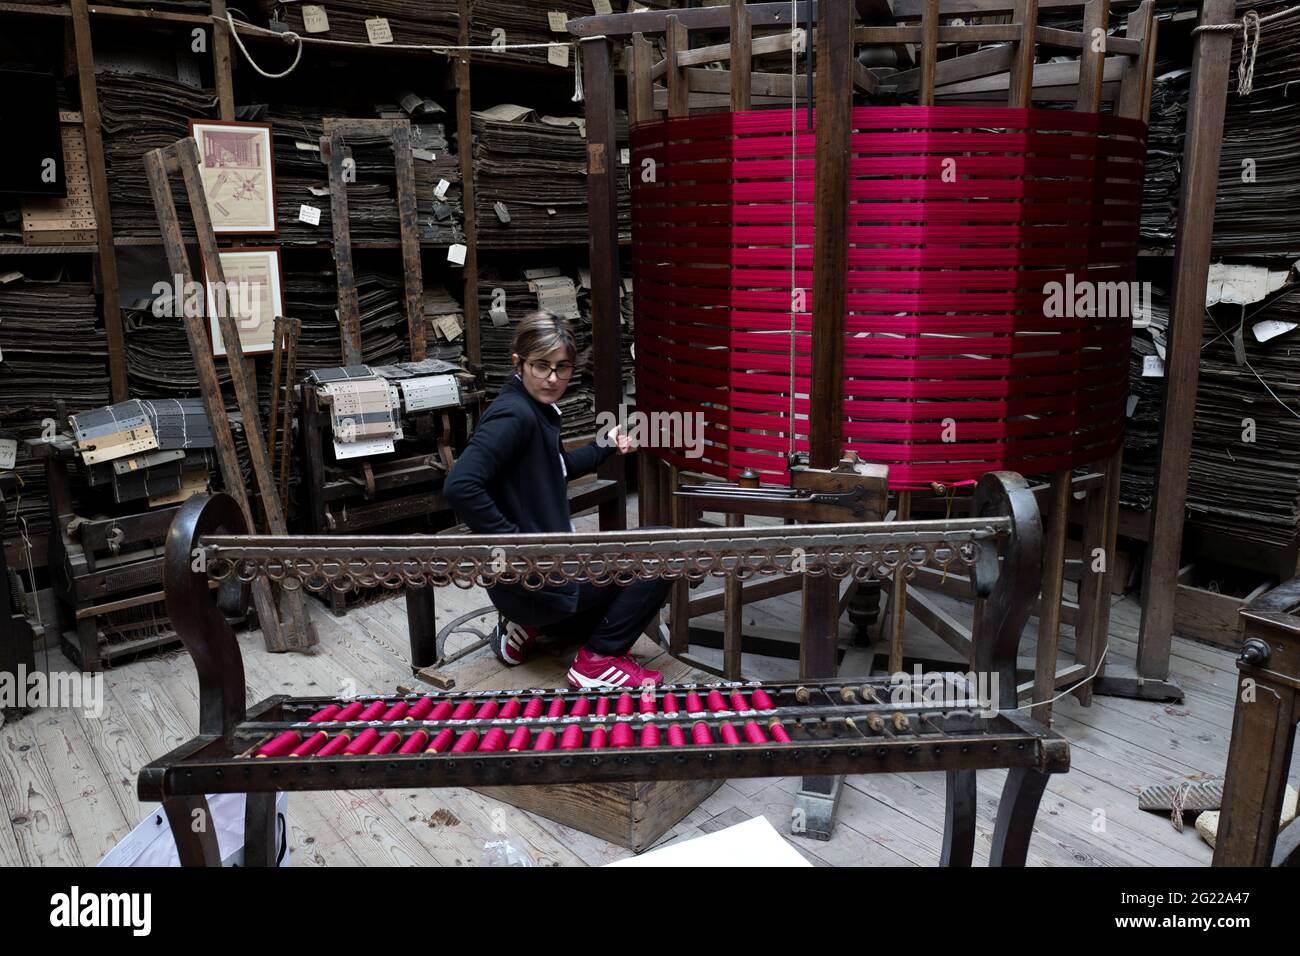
<point>540,333</point>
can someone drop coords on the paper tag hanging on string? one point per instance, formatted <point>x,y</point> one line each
<point>625,157</point>
<point>456,254</point>
<point>503,213</point>
<point>1239,344</point>
<point>8,453</point>
<point>449,327</point>
<point>557,20</point>
<point>441,189</point>
<point>318,190</point>
<point>500,318</point>
<point>379,31</point>
<point>309,215</point>
<point>314,18</point>
<point>6,277</point>
<point>1132,406</point>
<point>557,54</point>
<point>427,155</point>
<point>1152,367</point>
<point>602,7</point>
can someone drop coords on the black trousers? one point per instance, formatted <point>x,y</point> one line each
<point>606,619</point>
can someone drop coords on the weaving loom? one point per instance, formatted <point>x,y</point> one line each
<point>734,730</point>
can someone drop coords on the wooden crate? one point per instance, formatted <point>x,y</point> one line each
<point>1210,615</point>
<point>632,815</point>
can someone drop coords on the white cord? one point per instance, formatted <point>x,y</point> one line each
<point>794,189</point>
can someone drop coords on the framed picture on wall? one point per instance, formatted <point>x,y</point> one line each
<point>253,296</point>
<point>236,164</point>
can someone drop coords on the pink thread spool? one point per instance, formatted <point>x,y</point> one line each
<point>414,743</point>
<point>350,711</point>
<point>648,701</point>
<point>556,709</point>
<point>670,704</point>
<point>519,739</point>
<point>312,744</point>
<point>442,741</point>
<point>599,738</point>
<point>442,711</point>
<point>464,710</point>
<point>545,740</point>
<point>623,706</point>
<point>365,741</point>
<point>778,732</point>
<point>397,711</point>
<point>335,746</point>
<point>571,739</point>
<point>621,735</point>
<point>581,707</point>
<point>420,709</point>
<point>676,738</point>
<point>738,702</point>
<point>327,713</point>
<point>729,735</point>
<point>761,700</point>
<point>493,740</point>
<point>602,706</point>
<point>693,705</point>
<point>487,711</point>
<point>388,743</point>
<point>533,708</point>
<point>467,742</point>
<point>280,745</point>
<point>511,709</point>
<point>649,736</point>
<point>716,701</point>
<point>374,711</point>
<point>700,733</point>
<point>754,733</point>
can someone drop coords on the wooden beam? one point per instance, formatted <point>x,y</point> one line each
<point>981,63</point>
<point>1207,98</point>
<point>1093,56</point>
<point>1047,76</point>
<point>469,224</point>
<point>1020,83</point>
<point>640,85</point>
<point>971,33</point>
<point>911,9</point>
<point>724,52</point>
<point>1135,87</point>
<point>929,52</point>
<point>741,51</point>
<point>698,18</point>
<point>107,257</point>
<point>221,65</point>
<point>679,87</point>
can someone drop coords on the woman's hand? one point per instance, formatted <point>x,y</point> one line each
<point>622,442</point>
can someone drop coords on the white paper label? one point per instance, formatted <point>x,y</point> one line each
<point>379,31</point>
<point>456,254</point>
<point>363,446</point>
<point>625,156</point>
<point>558,19</point>
<point>557,54</point>
<point>441,189</point>
<point>601,7</point>
<point>448,326</point>
<point>309,214</point>
<point>6,277</point>
<point>1271,329</point>
<point>314,18</point>
<point>435,391</point>
<point>307,147</point>
<point>8,453</point>
<point>1132,406</point>
<point>1152,367</point>
<point>427,155</point>
<point>318,190</point>
<point>500,318</point>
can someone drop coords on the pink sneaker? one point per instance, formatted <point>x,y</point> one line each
<point>590,671</point>
<point>511,642</point>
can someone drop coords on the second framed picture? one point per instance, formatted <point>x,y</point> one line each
<point>236,164</point>
<point>253,291</point>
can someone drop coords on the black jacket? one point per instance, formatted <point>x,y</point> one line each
<point>509,479</point>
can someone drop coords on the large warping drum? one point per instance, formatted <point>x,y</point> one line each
<point>990,287</point>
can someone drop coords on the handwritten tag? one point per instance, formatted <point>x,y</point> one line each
<point>456,254</point>
<point>309,214</point>
<point>1268,329</point>
<point>449,327</point>
<point>8,453</point>
<point>558,19</point>
<point>1152,367</point>
<point>557,54</point>
<point>314,18</point>
<point>379,31</point>
<point>625,156</point>
<point>601,7</point>
<point>441,189</point>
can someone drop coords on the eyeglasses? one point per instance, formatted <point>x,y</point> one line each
<point>543,370</point>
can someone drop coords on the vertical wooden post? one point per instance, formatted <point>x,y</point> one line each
<point>332,154</point>
<point>465,140</point>
<point>1021,83</point>
<point>602,208</point>
<point>679,88</point>
<point>409,229</point>
<point>1092,60</point>
<point>742,54</point>
<point>1206,101</point>
<point>106,260</point>
<point>929,49</point>
<point>221,67</point>
<point>733,614</point>
<point>679,608</point>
